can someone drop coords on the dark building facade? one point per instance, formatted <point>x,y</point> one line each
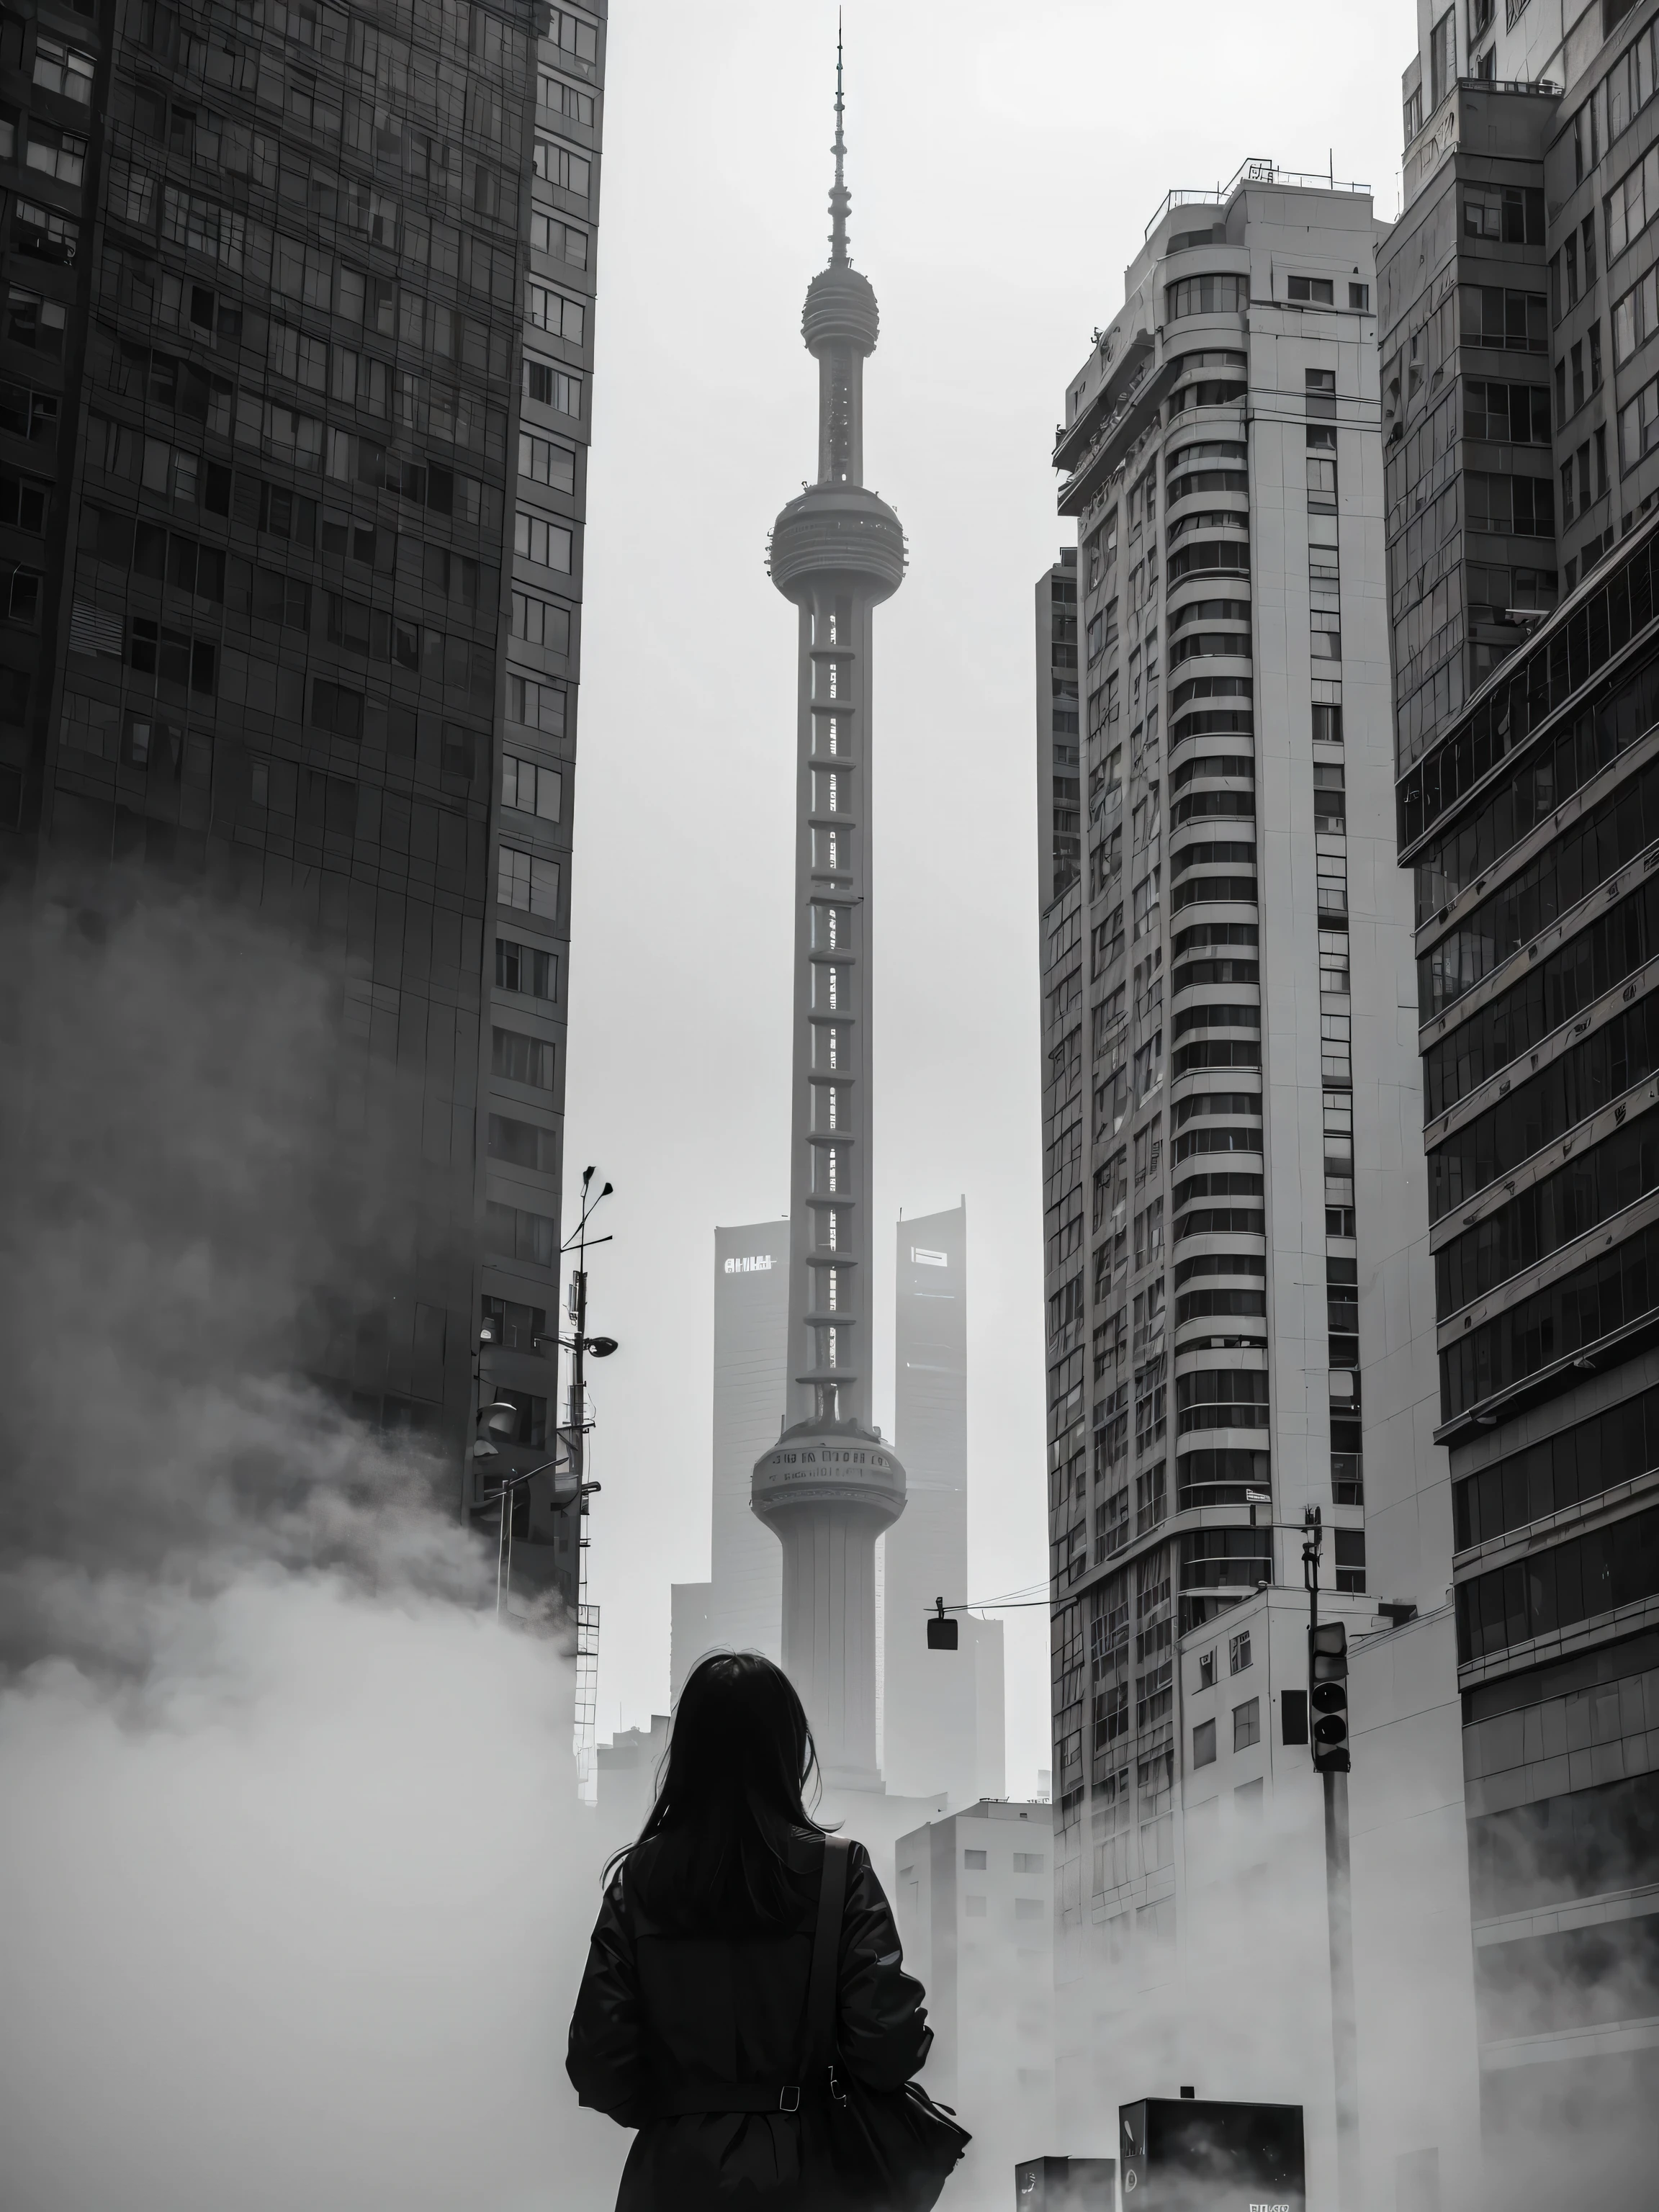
<point>295,406</point>
<point>1519,375</point>
<point>1059,794</point>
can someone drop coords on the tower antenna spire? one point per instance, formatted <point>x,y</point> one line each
<point>840,198</point>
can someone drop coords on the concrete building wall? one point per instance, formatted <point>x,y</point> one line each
<point>974,1901</point>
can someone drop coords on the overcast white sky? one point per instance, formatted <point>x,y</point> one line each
<point>1004,161</point>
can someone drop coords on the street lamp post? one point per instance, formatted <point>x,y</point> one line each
<point>502,1418</point>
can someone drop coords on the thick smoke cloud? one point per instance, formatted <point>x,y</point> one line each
<point>297,1884</point>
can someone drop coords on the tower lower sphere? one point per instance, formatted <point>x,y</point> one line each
<point>827,1490</point>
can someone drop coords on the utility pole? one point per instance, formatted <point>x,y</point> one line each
<point>1327,1703</point>
<point>574,1436</point>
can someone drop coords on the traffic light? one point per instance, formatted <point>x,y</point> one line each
<point>1328,1693</point>
<point>942,1631</point>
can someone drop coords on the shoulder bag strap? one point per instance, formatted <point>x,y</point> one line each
<point>821,1987</point>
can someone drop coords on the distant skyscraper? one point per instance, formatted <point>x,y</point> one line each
<point>295,420</point>
<point>943,1725</point>
<point>740,1607</point>
<point>829,1486</point>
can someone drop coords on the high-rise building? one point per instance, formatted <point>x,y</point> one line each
<point>740,1607</point>
<point>1519,389</point>
<point>943,1710</point>
<point>295,418</point>
<point>829,1486</point>
<point>1228,1088</point>
<point>1058,793</point>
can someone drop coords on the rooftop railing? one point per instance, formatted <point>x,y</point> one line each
<point>1256,171</point>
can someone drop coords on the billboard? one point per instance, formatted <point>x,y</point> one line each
<point>1190,2155</point>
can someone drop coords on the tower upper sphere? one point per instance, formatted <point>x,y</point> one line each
<point>840,304</point>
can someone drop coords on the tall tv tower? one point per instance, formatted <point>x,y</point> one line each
<point>829,1486</point>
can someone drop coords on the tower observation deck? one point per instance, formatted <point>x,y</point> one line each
<point>830,1484</point>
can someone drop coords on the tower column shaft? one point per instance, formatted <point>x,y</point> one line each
<point>829,1635</point>
<point>830,1248</point>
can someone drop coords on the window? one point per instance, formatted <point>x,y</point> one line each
<point>1205,295</point>
<point>558,98</point>
<point>537,705</point>
<point>1204,1743</point>
<point>540,622</point>
<point>62,69</point>
<point>299,358</point>
<point>527,970</point>
<point>1238,1652</point>
<point>529,787</point>
<point>552,388</point>
<point>1028,1861</point>
<point>1350,1559</point>
<point>1503,320</point>
<point>523,1144</point>
<point>1509,414</point>
<point>1521,506</point>
<point>559,241</point>
<point>1333,961</point>
<point>23,597</point>
<point>1631,204</point>
<point>543,542</point>
<point>519,1059</point>
<point>1207,1669</point>
<point>518,1327</point>
<point>514,1233</point>
<point>544,460</point>
<point>552,311</point>
<point>34,322</point>
<point>1322,471</point>
<point>1321,385</point>
<point>1511,214</point>
<point>526,882</point>
<point>25,502</point>
<point>1315,291</point>
<point>1247,1724</point>
<point>56,153</point>
<point>974,1861</point>
<point>1443,58</point>
<point>563,167</point>
<point>333,707</point>
<point>572,34</point>
<point>1326,635</point>
<point>1359,298</point>
<point>46,234</point>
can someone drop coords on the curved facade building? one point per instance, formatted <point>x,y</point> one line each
<point>829,1486</point>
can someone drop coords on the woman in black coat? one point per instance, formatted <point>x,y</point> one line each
<point>689,2022</point>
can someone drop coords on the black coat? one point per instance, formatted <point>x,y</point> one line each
<point>662,2017</point>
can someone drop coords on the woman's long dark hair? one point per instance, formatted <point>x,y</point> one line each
<point>739,1757</point>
